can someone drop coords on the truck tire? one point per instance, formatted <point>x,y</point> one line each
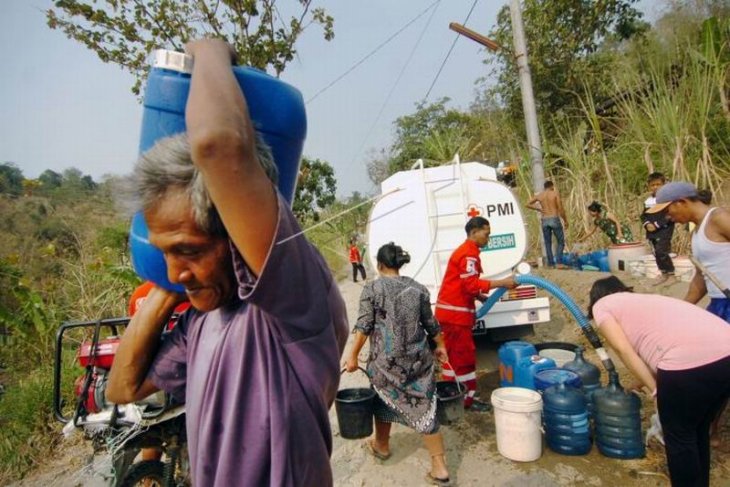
<point>147,473</point>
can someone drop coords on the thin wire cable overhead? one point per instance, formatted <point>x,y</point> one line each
<point>449,53</point>
<point>397,81</point>
<point>371,53</point>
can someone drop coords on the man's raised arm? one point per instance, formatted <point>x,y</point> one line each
<point>223,147</point>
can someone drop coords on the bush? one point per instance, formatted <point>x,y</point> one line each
<point>27,433</point>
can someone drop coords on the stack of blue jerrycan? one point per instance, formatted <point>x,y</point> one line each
<point>617,418</point>
<point>565,420</point>
<point>589,374</point>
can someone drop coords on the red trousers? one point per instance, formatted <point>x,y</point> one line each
<point>462,364</point>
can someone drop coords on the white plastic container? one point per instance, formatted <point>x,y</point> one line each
<point>620,255</point>
<point>517,417</point>
<point>560,356</point>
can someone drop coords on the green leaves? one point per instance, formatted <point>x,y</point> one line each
<point>316,189</point>
<point>125,32</point>
<point>567,41</point>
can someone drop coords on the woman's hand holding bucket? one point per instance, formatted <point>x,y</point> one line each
<point>350,365</point>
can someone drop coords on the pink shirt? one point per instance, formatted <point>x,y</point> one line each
<point>667,333</point>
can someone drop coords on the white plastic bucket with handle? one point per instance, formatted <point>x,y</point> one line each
<point>517,415</point>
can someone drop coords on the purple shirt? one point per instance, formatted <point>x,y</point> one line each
<point>259,375</point>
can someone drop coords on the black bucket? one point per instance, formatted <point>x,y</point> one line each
<point>450,402</point>
<point>354,409</point>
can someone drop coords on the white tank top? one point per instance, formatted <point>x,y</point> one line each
<point>715,256</point>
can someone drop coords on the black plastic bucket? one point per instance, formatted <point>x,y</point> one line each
<point>354,409</point>
<point>450,402</point>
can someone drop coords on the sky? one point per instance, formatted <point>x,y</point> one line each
<point>62,107</point>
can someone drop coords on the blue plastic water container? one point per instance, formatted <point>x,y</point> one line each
<point>527,367</point>
<point>617,417</point>
<point>550,377</point>
<point>565,419</point>
<point>276,110</point>
<point>600,260</point>
<point>585,259</point>
<point>509,353</point>
<point>590,376</point>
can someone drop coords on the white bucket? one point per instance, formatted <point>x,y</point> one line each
<point>560,356</point>
<point>626,253</point>
<point>517,415</point>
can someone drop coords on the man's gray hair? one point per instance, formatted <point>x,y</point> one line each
<point>168,164</point>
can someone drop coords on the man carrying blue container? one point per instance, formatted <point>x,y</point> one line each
<point>257,359</point>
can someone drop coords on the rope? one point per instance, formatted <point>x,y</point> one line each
<point>337,215</point>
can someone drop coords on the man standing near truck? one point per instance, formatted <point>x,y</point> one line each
<point>455,309</point>
<point>551,211</point>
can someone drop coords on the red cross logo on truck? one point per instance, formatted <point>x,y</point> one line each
<point>474,210</point>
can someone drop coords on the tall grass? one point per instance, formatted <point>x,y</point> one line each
<point>674,126</point>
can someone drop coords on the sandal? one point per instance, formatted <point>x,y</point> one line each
<point>437,481</point>
<point>371,449</point>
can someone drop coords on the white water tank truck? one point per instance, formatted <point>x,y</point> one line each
<point>424,210</point>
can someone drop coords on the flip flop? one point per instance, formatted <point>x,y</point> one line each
<point>371,449</point>
<point>437,481</point>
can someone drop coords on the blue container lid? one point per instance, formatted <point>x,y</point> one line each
<point>550,377</point>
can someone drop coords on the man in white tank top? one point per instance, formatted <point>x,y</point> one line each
<point>710,246</point>
<point>710,241</point>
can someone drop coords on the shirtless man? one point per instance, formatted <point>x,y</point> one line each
<point>551,209</point>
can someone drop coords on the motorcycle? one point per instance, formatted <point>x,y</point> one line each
<point>119,431</point>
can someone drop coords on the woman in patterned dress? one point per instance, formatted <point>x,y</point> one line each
<point>395,313</point>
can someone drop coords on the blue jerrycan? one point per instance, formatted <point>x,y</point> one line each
<point>509,353</point>
<point>527,367</point>
<point>617,417</point>
<point>276,110</point>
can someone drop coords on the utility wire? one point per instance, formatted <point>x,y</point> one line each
<point>449,53</point>
<point>397,81</point>
<point>371,53</point>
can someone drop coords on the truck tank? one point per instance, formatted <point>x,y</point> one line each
<point>424,210</point>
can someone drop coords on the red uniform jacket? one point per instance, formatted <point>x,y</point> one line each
<point>460,287</point>
<point>355,254</point>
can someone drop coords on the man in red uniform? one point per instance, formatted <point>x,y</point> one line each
<point>356,261</point>
<point>455,308</point>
